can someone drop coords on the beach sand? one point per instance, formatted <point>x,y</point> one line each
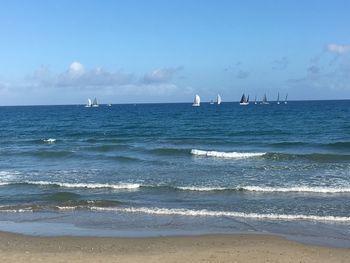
<point>207,248</point>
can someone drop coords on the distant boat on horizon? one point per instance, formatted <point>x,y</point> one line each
<point>285,100</point>
<point>278,99</point>
<point>89,104</point>
<point>244,101</point>
<point>197,101</point>
<point>264,101</point>
<point>94,103</point>
<point>218,99</point>
<point>211,102</point>
<point>255,101</point>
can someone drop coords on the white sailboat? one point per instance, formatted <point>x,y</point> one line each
<point>94,103</point>
<point>89,103</point>
<point>255,100</point>
<point>285,100</point>
<point>278,99</point>
<point>197,101</point>
<point>211,102</point>
<point>218,99</point>
<point>244,101</point>
<point>264,101</point>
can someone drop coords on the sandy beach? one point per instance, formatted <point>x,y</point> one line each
<point>208,248</point>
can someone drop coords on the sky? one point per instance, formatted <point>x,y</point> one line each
<point>152,51</point>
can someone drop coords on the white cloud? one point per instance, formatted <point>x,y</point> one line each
<point>160,75</point>
<point>338,49</point>
<point>76,69</point>
<point>78,81</point>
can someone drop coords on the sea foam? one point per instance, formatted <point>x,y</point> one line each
<point>208,213</point>
<point>268,189</point>
<point>231,155</point>
<point>86,185</point>
<point>50,140</point>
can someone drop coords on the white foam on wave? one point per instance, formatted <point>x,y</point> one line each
<point>208,213</point>
<point>67,208</point>
<point>7,175</point>
<point>86,185</point>
<point>304,189</point>
<point>203,188</point>
<point>229,155</point>
<point>50,140</point>
<point>268,189</point>
<point>16,210</point>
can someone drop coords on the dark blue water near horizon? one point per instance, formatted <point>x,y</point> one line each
<point>159,169</point>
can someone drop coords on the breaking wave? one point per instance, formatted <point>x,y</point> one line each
<point>209,213</point>
<point>85,185</point>
<point>49,140</point>
<point>269,189</point>
<point>230,155</point>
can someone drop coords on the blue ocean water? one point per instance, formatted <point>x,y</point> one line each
<point>157,169</point>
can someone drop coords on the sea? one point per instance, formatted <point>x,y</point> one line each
<point>140,170</point>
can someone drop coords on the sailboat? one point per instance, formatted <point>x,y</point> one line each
<point>264,101</point>
<point>218,99</point>
<point>197,101</point>
<point>255,101</point>
<point>285,100</point>
<point>211,102</point>
<point>278,99</point>
<point>244,101</point>
<point>94,103</point>
<point>89,103</point>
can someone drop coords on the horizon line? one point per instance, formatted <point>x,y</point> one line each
<point>142,103</point>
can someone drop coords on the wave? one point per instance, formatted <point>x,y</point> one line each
<point>317,157</point>
<point>335,145</point>
<point>169,151</point>
<point>60,204</point>
<point>268,189</point>
<point>229,155</point>
<point>233,214</point>
<point>49,140</point>
<point>301,189</point>
<point>194,188</point>
<point>85,185</point>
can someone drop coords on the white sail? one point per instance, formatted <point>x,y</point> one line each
<point>94,103</point>
<point>89,103</point>
<point>264,101</point>
<point>278,98</point>
<point>244,101</point>
<point>197,101</point>
<point>218,99</point>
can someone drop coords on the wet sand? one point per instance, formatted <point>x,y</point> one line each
<point>207,248</point>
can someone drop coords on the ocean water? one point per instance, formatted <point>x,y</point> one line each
<point>173,169</point>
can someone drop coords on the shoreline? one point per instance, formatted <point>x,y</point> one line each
<point>209,248</point>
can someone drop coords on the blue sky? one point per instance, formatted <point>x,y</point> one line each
<point>63,52</point>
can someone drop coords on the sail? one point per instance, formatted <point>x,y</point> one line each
<point>197,100</point>
<point>247,99</point>
<point>255,100</point>
<point>94,103</point>
<point>285,100</point>
<point>88,103</point>
<point>218,100</point>
<point>265,99</point>
<point>278,98</point>
<point>243,99</point>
